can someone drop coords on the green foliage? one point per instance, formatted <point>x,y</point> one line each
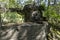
<point>12,17</point>
<point>51,14</point>
<point>12,3</point>
<point>2,0</point>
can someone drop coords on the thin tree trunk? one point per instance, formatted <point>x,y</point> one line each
<point>0,19</point>
<point>48,2</point>
<point>54,2</point>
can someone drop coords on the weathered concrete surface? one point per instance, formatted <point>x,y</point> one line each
<point>24,31</point>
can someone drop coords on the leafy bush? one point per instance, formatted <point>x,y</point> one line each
<point>12,17</point>
<point>54,19</point>
<point>52,15</point>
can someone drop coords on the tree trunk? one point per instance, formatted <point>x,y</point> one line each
<point>0,19</point>
<point>54,2</point>
<point>48,2</point>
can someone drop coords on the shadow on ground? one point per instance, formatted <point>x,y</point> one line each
<point>24,31</point>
